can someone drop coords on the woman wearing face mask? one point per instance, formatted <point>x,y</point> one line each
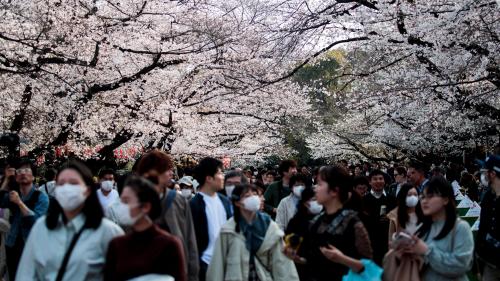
<point>298,227</point>
<point>408,215</point>
<point>444,241</point>
<point>288,206</point>
<point>250,244</point>
<point>336,240</point>
<point>146,249</point>
<point>71,242</point>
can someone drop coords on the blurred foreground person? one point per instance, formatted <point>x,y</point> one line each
<point>147,249</point>
<point>71,242</point>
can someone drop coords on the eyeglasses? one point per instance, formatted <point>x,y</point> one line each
<point>23,171</point>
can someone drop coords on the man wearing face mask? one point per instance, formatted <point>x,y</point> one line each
<point>186,186</point>
<point>280,189</point>
<point>232,179</point>
<point>210,209</point>
<point>488,236</point>
<point>26,206</point>
<point>107,193</point>
<point>288,206</point>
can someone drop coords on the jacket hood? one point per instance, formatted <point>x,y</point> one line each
<point>273,234</point>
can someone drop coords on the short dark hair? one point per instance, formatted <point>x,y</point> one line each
<point>50,174</point>
<point>338,180</point>
<point>23,162</point>
<point>155,160</point>
<point>233,174</point>
<point>207,168</point>
<point>106,171</point>
<point>91,209</point>
<point>376,173</point>
<point>419,166</point>
<point>285,165</point>
<point>401,170</point>
<point>298,178</point>
<point>361,180</point>
<point>146,193</point>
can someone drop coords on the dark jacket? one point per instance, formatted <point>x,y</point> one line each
<point>200,219</point>
<point>377,223</point>
<point>488,235</point>
<point>273,195</point>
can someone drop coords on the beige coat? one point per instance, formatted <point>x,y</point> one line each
<point>393,223</point>
<point>180,223</point>
<point>230,260</point>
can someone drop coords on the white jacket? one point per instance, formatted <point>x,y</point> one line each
<point>230,260</point>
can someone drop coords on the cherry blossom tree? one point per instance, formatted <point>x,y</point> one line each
<point>198,77</point>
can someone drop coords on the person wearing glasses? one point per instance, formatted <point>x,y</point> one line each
<point>399,180</point>
<point>26,205</point>
<point>444,241</point>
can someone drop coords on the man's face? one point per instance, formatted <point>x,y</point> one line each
<point>269,179</point>
<point>233,181</point>
<point>217,181</point>
<point>24,175</point>
<point>361,189</point>
<point>9,171</point>
<point>165,179</point>
<point>291,171</point>
<point>399,178</point>
<point>377,182</point>
<point>414,176</point>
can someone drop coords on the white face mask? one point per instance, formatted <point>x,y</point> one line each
<point>252,203</point>
<point>122,212</point>
<point>314,207</point>
<point>186,193</point>
<point>229,190</point>
<point>411,201</point>
<point>70,196</point>
<point>297,190</point>
<point>107,185</point>
<point>484,179</point>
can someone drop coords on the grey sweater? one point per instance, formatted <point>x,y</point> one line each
<point>451,257</point>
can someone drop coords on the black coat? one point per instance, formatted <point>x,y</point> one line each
<point>200,219</point>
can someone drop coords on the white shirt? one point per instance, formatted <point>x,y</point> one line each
<point>48,188</point>
<point>286,210</point>
<point>216,218</point>
<point>45,250</point>
<point>107,200</point>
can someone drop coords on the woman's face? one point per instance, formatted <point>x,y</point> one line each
<point>70,176</point>
<point>246,195</point>
<point>432,204</point>
<point>130,198</point>
<point>323,193</point>
<point>412,192</point>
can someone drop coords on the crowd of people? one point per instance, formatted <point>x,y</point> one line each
<point>157,222</point>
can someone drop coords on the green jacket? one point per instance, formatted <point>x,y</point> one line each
<point>273,195</point>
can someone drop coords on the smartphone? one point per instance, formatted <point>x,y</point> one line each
<point>293,241</point>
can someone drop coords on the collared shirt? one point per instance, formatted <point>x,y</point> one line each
<point>19,224</point>
<point>378,195</point>
<point>45,250</point>
<point>421,187</point>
